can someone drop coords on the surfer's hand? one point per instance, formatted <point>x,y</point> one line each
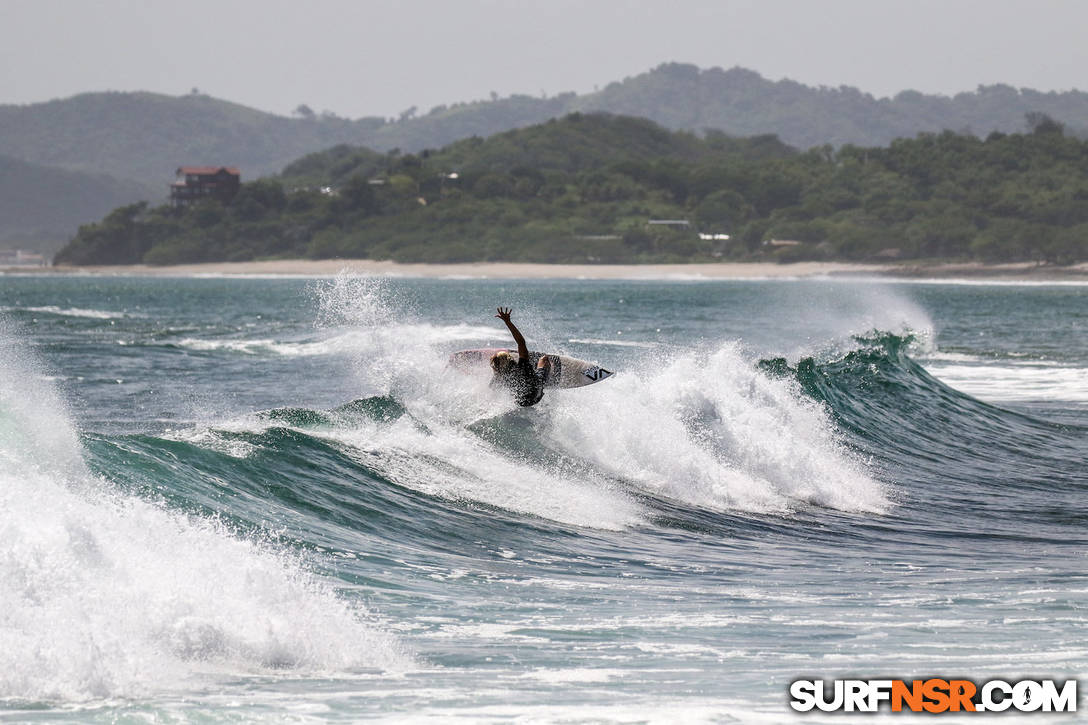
<point>504,315</point>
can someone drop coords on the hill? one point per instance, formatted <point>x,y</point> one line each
<point>576,143</point>
<point>140,138</point>
<point>742,103</point>
<point>601,188</point>
<point>40,206</point>
<point>144,136</point>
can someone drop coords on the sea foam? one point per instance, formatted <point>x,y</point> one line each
<point>104,594</point>
<point>703,427</point>
<point>708,428</point>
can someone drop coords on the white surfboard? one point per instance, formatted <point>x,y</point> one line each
<point>567,372</point>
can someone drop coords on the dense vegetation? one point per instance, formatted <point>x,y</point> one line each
<point>140,138</point>
<point>145,136</point>
<point>585,188</point>
<point>742,103</point>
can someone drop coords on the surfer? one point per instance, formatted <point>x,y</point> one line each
<point>520,377</point>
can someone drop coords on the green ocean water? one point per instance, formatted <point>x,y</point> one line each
<point>229,499</point>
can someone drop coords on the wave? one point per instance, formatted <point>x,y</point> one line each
<point>74,312</point>
<point>133,562</point>
<point>702,430</point>
<point>705,430</point>
<point>923,430</point>
<point>345,343</point>
<point>693,433</point>
<point>375,443</point>
<point>709,430</point>
<point>677,434</point>
<point>612,343</point>
<point>976,282</point>
<point>1026,381</point>
<point>106,593</point>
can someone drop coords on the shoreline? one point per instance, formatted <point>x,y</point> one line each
<point>1022,271</point>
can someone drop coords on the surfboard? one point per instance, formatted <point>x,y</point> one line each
<point>567,372</point>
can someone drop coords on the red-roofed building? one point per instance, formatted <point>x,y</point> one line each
<point>205,182</point>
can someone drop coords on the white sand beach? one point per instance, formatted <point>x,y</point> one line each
<point>516,270</point>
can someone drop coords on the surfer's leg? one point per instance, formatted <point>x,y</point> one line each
<point>548,370</point>
<point>544,371</point>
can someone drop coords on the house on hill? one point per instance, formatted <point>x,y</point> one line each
<point>194,183</point>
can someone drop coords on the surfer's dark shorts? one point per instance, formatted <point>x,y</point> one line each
<point>525,382</point>
<point>533,392</point>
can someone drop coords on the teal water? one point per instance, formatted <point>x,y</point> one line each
<point>269,499</point>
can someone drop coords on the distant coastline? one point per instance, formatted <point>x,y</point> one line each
<point>1023,271</point>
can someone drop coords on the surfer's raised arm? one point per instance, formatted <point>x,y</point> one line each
<point>523,349</point>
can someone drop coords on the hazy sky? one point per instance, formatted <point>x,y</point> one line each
<point>361,57</point>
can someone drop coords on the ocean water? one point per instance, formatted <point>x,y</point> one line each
<point>269,500</point>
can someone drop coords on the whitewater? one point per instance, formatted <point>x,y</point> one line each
<point>271,499</point>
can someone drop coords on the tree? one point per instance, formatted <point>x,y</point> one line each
<point>258,198</point>
<point>358,195</point>
<point>1042,124</point>
<point>586,186</point>
<point>724,210</point>
<point>492,185</point>
<point>114,240</point>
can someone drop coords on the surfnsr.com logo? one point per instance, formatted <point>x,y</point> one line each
<point>934,695</point>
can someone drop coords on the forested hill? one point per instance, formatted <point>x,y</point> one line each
<point>574,144</point>
<point>601,188</point>
<point>742,103</point>
<point>144,136</point>
<point>41,206</point>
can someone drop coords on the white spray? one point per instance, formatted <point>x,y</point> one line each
<point>708,430</point>
<point>103,594</point>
